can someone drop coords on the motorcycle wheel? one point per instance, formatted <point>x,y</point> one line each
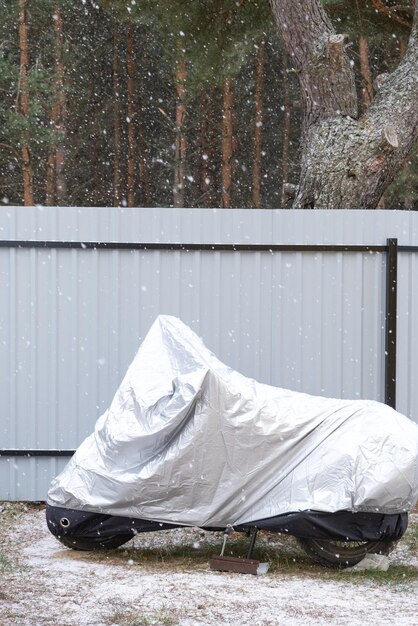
<point>107,543</point>
<point>342,554</point>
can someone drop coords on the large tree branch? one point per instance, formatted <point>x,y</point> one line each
<point>392,12</point>
<point>318,54</point>
<point>392,117</point>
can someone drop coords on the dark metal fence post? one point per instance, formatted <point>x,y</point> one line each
<point>391,315</point>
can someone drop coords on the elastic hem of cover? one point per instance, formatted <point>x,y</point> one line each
<point>341,525</point>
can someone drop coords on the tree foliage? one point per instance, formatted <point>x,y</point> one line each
<point>220,39</point>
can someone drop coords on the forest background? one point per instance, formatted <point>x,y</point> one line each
<point>169,102</point>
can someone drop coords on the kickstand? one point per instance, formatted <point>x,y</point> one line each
<point>229,529</point>
<point>238,564</point>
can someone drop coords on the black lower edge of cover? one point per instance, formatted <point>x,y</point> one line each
<point>342,525</point>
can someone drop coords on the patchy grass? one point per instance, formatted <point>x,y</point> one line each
<point>123,614</point>
<point>10,513</point>
<point>3,595</point>
<point>176,550</point>
<point>9,516</point>
<point>168,551</point>
<point>142,583</point>
<point>155,552</point>
<point>411,537</point>
<point>5,564</point>
<point>396,575</point>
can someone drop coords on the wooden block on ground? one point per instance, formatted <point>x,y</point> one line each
<point>234,564</point>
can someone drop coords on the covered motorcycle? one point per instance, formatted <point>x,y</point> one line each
<point>189,441</point>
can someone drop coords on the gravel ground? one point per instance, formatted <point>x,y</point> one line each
<point>163,579</point>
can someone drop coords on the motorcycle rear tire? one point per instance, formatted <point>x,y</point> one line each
<point>342,554</point>
<point>87,544</point>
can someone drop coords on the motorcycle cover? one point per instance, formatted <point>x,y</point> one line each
<point>187,440</point>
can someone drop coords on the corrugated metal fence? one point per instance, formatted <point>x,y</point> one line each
<point>302,299</point>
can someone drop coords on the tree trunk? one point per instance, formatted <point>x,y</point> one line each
<point>60,128</point>
<point>28,195</point>
<point>117,110</point>
<point>205,178</point>
<point>346,161</point>
<point>56,190</point>
<point>259,83</point>
<point>227,141</point>
<point>367,88</point>
<point>51,183</point>
<point>143,173</point>
<point>407,202</point>
<point>207,152</point>
<point>94,156</point>
<point>286,130</point>
<point>366,76</point>
<point>180,154</point>
<point>130,68</point>
<point>144,184</point>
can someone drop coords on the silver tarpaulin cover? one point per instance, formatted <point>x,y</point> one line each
<point>190,441</point>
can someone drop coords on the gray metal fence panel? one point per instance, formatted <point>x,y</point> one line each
<point>407,348</point>
<point>72,319</point>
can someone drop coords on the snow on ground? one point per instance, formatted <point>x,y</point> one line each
<point>44,583</point>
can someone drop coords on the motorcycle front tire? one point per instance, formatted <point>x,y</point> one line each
<point>342,554</point>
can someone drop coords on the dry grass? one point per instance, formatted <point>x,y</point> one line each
<point>161,551</point>
<point>190,550</point>
<point>163,579</point>
<point>123,614</point>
